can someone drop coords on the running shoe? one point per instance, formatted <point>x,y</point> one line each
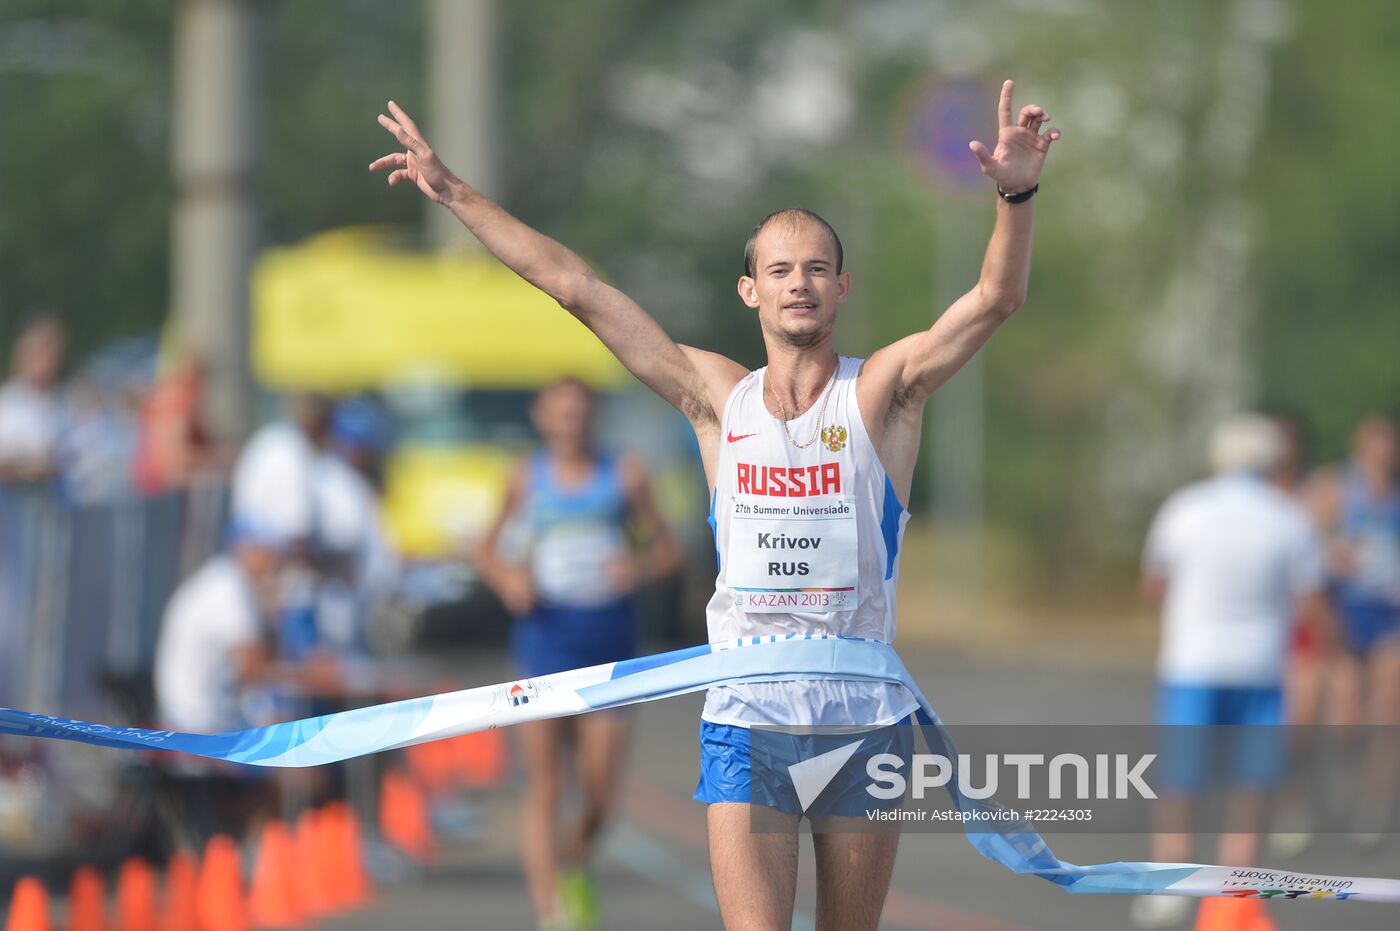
<point>578,900</point>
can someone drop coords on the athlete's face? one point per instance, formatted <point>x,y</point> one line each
<point>563,415</point>
<point>795,287</point>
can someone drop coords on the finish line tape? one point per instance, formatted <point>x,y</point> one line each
<point>1016,844</point>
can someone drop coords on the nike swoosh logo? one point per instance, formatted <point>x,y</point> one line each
<point>742,436</point>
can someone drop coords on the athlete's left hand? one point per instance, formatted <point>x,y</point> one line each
<point>1016,162</point>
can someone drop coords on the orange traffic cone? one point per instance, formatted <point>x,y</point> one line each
<point>220,888</point>
<point>350,878</point>
<point>136,896</point>
<point>181,894</point>
<point>29,907</point>
<point>404,820</point>
<point>273,901</point>
<point>1218,914</point>
<point>478,760</point>
<point>433,765</point>
<point>316,882</point>
<point>87,901</point>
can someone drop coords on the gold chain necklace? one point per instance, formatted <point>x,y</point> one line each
<point>783,415</point>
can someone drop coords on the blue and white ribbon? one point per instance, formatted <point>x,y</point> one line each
<point>1016,844</point>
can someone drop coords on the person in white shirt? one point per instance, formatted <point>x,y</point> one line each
<point>218,639</point>
<point>217,670</point>
<point>274,478</point>
<point>214,637</point>
<point>31,412</point>
<point>274,488</point>
<point>1230,560</point>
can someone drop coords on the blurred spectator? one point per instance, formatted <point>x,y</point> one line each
<point>31,412</point>
<point>217,670</point>
<point>173,440</point>
<point>274,487</point>
<point>217,641</point>
<point>274,478</point>
<point>1229,559</point>
<point>1313,639</point>
<point>361,565</point>
<point>214,636</point>
<point>1360,503</point>
<point>98,446</point>
<point>1312,645</point>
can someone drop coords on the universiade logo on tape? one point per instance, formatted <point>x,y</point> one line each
<point>521,693</point>
<point>49,723</point>
<point>1267,884</point>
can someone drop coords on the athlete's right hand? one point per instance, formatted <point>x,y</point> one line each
<point>418,162</point>
<point>517,591</point>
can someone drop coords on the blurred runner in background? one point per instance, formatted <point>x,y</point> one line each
<point>31,411</point>
<point>1230,560</point>
<point>1360,506</point>
<point>572,594</point>
<point>1309,649</point>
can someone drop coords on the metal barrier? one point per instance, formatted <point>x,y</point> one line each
<point>82,588</point>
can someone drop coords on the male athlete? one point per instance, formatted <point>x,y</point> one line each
<point>808,459</point>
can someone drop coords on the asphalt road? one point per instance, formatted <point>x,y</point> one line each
<point>653,870</point>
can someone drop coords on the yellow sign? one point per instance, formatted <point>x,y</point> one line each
<point>342,313</point>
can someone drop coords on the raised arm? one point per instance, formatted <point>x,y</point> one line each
<point>907,372</point>
<point>683,377</point>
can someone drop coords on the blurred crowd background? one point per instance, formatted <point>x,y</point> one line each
<point>192,254</point>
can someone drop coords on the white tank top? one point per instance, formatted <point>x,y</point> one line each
<point>807,542</point>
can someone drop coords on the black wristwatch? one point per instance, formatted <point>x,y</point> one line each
<point>1020,197</point>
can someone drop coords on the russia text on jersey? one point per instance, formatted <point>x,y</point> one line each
<point>789,481</point>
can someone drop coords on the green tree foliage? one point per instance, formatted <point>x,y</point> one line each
<point>84,218</point>
<point>85,86</point>
<point>1327,279</point>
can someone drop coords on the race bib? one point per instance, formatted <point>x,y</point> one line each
<point>574,562</point>
<point>1377,564</point>
<point>794,556</point>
